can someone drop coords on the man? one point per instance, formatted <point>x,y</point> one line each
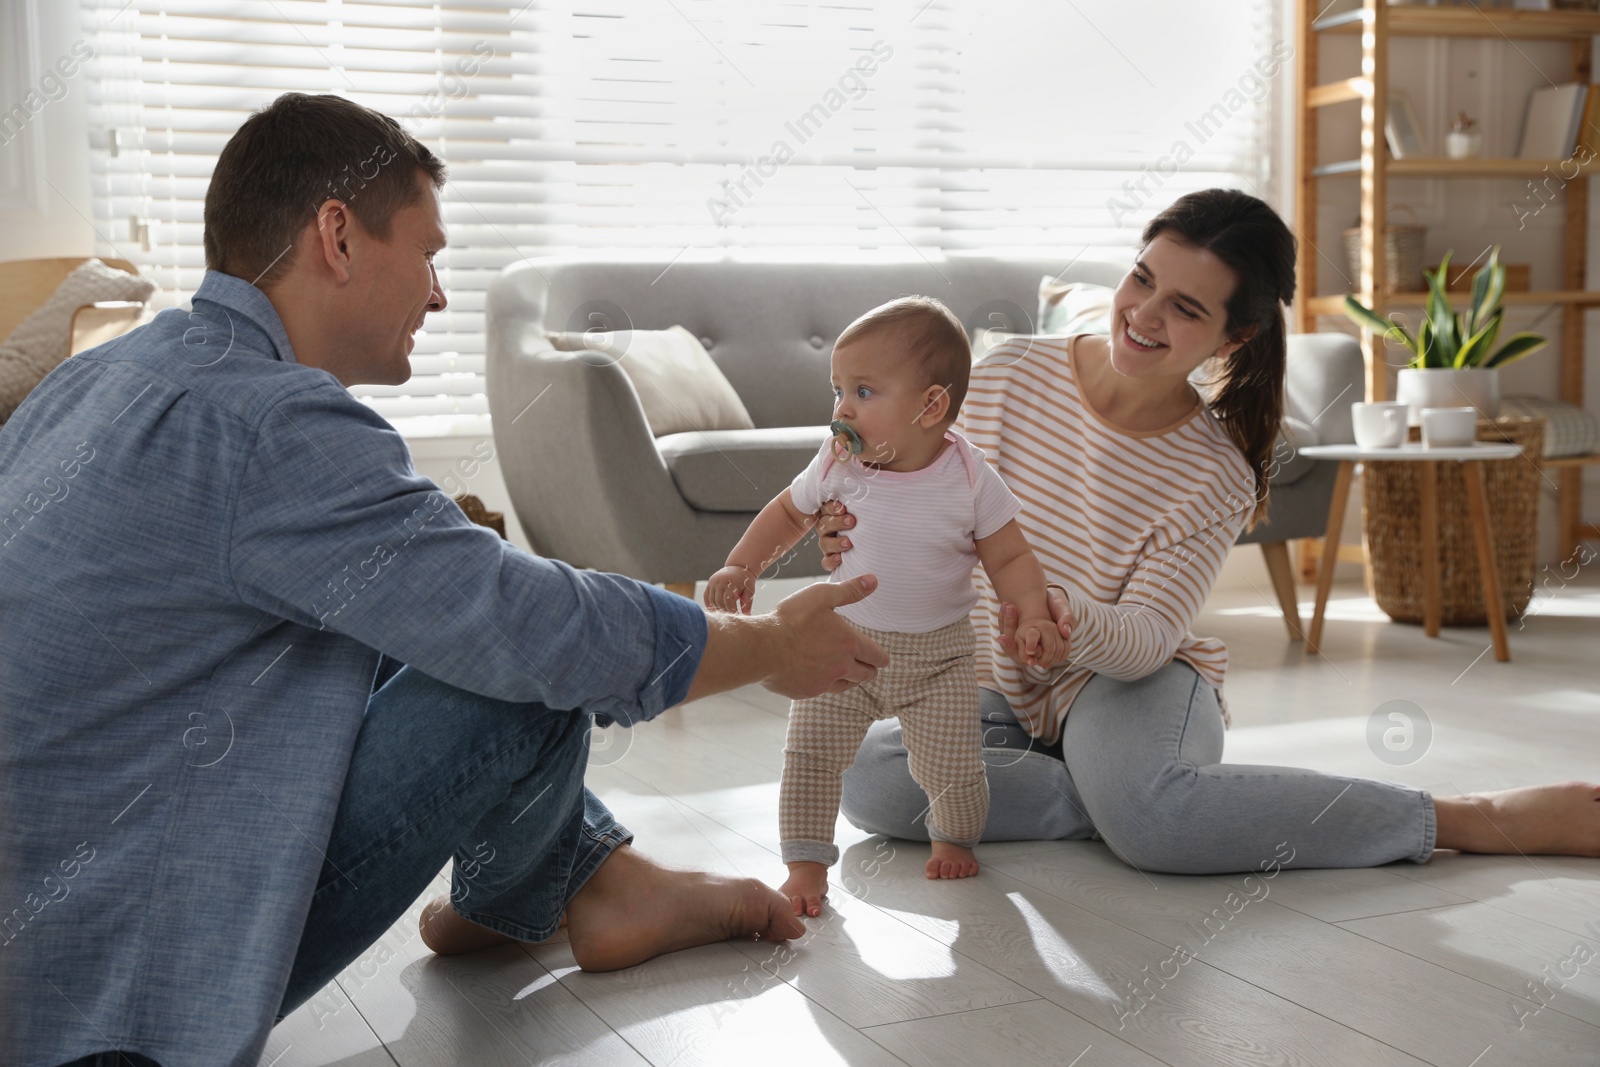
<point>217,785</point>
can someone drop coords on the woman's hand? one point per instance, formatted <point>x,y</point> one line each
<point>1060,611</point>
<point>832,521</point>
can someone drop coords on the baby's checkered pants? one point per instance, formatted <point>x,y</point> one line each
<point>931,683</point>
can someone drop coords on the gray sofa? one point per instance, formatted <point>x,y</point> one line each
<point>594,488</point>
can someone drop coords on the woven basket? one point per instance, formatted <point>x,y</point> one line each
<point>1392,493</point>
<point>1402,254</point>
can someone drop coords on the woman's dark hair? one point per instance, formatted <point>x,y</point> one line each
<point>290,158</point>
<point>1250,238</point>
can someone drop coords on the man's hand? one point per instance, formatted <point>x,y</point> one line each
<point>820,651</point>
<point>731,589</point>
<point>801,649</point>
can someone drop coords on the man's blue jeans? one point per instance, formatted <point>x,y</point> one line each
<point>440,771</point>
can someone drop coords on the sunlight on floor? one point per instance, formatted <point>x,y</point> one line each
<point>944,931</point>
<point>1343,609</point>
<point>1567,604</point>
<point>1579,700</point>
<point>1065,964</point>
<point>533,987</point>
<point>884,956</point>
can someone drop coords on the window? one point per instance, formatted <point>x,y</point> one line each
<point>655,127</point>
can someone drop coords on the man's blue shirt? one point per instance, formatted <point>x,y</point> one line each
<point>204,548</point>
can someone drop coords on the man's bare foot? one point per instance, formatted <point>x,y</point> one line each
<point>1557,820</point>
<point>951,861</point>
<point>448,934</point>
<point>807,887</point>
<point>633,909</point>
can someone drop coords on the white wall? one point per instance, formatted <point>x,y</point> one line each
<point>51,217</point>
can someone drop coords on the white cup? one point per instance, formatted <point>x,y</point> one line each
<point>1449,427</point>
<point>1381,424</point>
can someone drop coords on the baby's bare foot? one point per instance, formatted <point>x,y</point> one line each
<point>633,909</point>
<point>951,861</point>
<point>807,887</point>
<point>1561,820</point>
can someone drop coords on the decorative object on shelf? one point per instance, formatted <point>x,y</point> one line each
<point>1554,121</point>
<point>1392,495</point>
<point>1402,251</point>
<point>1454,360</point>
<point>1380,424</point>
<point>1402,130</point>
<point>1465,140</point>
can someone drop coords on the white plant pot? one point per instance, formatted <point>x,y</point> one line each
<point>1477,387</point>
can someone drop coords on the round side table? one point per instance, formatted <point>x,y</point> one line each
<point>1471,458</point>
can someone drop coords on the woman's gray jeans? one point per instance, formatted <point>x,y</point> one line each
<point>1139,765</point>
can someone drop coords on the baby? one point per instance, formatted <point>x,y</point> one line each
<point>928,507</point>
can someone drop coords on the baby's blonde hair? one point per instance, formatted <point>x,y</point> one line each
<point>932,336</point>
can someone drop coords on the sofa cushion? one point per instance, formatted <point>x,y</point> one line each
<point>1569,430</point>
<point>738,470</point>
<point>1074,307</point>
<point>679,386</point>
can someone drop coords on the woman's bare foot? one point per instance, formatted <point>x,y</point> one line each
<point>1558,820</point>
<point>951,861</point>
<point>448,934</point>
<point>633,909</point>
<point>807,887</point>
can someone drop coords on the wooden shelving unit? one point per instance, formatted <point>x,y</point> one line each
<point>1416,20</point>
<point>1449,168</point>
<point>1334,305</point>
<point>1376,22</point>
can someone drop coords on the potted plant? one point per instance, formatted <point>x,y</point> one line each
<point>1454,361</point>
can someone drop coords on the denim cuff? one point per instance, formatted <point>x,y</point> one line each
<point>1430,828</point>
<point>823,852</point>
<point>600,835</point>
<point>681,633</point>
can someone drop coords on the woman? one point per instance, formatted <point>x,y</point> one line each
<point>1133,490</point>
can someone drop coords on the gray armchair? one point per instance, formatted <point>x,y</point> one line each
<point>594,488</point>
<point>1326,375</point>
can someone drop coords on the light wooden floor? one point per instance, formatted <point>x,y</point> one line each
<point>1034,961</point>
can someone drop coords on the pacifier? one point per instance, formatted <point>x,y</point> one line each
<point>845,436</point>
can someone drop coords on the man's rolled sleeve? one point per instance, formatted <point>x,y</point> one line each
<point>681,631</point>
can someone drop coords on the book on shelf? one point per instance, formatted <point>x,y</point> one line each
<point>1589,127</point>
<point>1554,121</point>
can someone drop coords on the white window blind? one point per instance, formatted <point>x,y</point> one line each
<point>663,127</point>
